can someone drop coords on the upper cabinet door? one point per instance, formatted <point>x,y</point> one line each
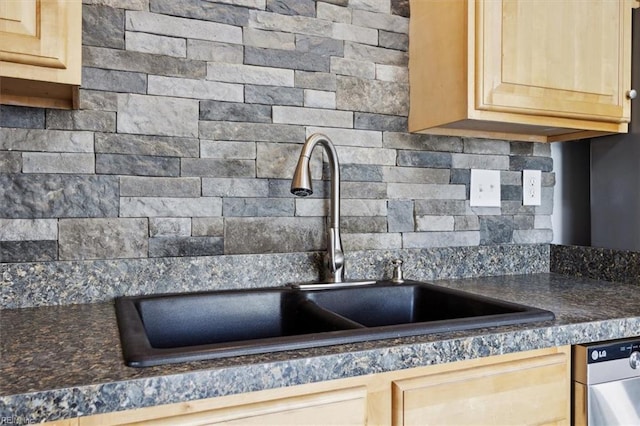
<point>40,51</point>
<point>530,70</point>
<point>556,58</point>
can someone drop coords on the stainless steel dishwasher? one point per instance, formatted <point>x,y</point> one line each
<point>606,383</point>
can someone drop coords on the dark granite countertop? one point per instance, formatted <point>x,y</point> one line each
<point>65,361</point>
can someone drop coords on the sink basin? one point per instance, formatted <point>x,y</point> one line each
<point>169,328</point>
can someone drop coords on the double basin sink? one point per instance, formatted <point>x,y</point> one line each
<point>169,328</point>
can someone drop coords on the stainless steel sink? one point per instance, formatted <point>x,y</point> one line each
<point>170,328</point>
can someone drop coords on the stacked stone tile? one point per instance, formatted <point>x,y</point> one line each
<point>192,114</point>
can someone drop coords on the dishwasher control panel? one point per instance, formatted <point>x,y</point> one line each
<point>609,351</point>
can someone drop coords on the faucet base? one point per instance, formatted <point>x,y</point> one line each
<point>327,285</point>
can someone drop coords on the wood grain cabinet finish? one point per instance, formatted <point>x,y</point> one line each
<point>523,391</point>
<point>520,69</point>
<point>40,52</point>
<point>521,388</point>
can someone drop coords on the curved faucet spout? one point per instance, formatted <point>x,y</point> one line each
<point>302,187</point>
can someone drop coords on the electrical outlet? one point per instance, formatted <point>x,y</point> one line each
<point>531,187</point>
<point>485,188</point>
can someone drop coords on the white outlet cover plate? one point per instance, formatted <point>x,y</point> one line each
<point>485,188</point>
<point>531,187</point>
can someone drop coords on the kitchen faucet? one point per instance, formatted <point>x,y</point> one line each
<point>301,187</point>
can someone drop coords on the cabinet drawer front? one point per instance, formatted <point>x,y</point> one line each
<point>529,391</point>
<point>561,58</point>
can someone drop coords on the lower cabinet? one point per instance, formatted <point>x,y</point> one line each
<point>522,388</point>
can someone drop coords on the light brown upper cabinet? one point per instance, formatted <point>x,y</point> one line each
<point>40,52</point>
<point>526,70</point>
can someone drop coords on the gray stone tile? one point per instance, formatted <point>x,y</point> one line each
<point>292,7</point>
<point>360,155</point>
<point>231,187</point>
<point>400,7</point>
<point>312,117</point>
<point>185,246</point>
<point>273,235</point>
<point>542,149</point>
<point>424,159</point>
<point>45,140</point>
<point>51,196</point>
<point>156,44</point>
<point>420,142</point>
<point>521,148</point>
<point>24,117</point>
<point>102,26</point>
<point>532,236</point>
<point>170,207</point>
<point>169,146</point>
<point>518,162</point>
<point>349,137</point>
<point>320,45</point>
<point>133,186</point>
<point>235,131</point>
<point>393,40</point>
<point>28,229</point>
<point>170,227</point>
<point>268,39</point>
<point>10,162</point>
<point>466,223</point>
<point>100,57</point>
<point>157,115</point>
<point>46,162</point>
<point>356,94</point>
<point>121,4</point>
<point>416,175</point>
<point>137,165</point>
<point>97,121</point>
<point>400,216</point>
<point>205,50</point>
<point>486,146</point>
<point>385,123</point>
<point>319,99</point>
<point>273,95</point>
<point>375,241</point>
<point>434,223</point>
<point>425,191</point>
<point>98,101</point>
<point>355,33</point>
<point>333,12</point>
<point>113,80</point>
<point>165,24</point>
<point>207,227</point>
<point>306,61</point>
<point>440,239</point>
<point>227,14</point>
<point>349,67</point>
<point>363,225</point>
<point>292,24</point>
<point>228,149</point>
<point>315,80</point>
<point>28,251</point>
<point>250,74</point>
<point>257,207</point>
<point>375,190</point>
<point>496,230</point>
<point>103,238</point>
<point>282,188</point>
<point>381,21</point>
<point>232,111</point>
<point>382,6</point>
<point>392,73</point>
<point>440,207</point>
<point>379,55</point>
<point>195,89</point>
<point>218,168</point>
<point>511,192</point>
<point>479,161</point>
<point>361,173</point>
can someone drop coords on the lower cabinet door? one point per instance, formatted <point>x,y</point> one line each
<point>530,391</point>
<point>335,407</point>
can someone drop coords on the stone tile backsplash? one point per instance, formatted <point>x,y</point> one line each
<point>192,114</point>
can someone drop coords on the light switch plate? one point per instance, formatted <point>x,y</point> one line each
<point>531,187</point>
<point>485,188</point>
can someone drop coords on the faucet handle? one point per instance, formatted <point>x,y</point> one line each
<point>397,277</point>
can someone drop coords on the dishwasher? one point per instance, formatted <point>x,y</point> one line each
<point>606,383</point>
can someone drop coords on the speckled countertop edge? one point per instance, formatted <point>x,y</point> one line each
<point>86,375</point>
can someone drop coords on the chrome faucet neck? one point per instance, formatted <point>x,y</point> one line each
<point>301,186</point>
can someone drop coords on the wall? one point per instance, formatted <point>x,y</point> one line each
<point>192,114</point>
